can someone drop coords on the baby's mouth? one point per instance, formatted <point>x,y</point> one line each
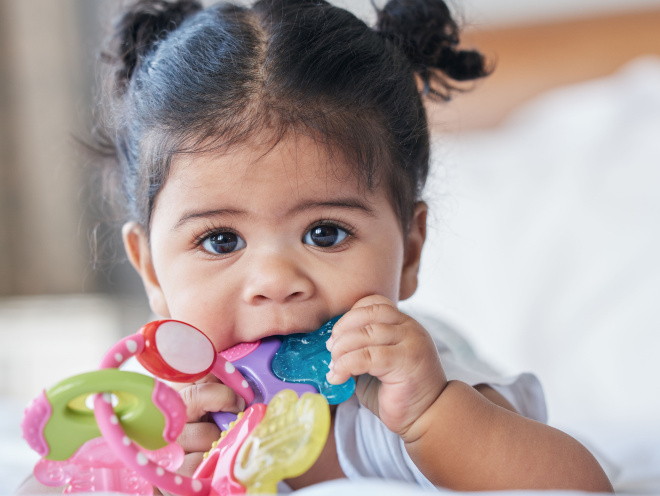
<point>295,357</point>
<point>280,330</point>
<point>241,350</point>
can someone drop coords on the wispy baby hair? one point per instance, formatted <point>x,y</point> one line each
<point>189,79</point>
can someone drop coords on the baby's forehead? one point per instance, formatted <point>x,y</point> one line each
<point>300,157</point>
<point>292,179</point>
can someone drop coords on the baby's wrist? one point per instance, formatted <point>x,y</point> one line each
<point>430,417</point>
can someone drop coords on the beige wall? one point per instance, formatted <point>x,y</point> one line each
<point>48,65</point>
<point>531,59</point>
<point>42,247</point>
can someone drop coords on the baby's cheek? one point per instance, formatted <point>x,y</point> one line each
<point>362,283</point>
<point>207,311</point>
<point>380,278</point>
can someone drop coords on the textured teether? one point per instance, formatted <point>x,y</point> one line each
<point>256,368</point>
<point>36,416</point>
<point>218,463</point>
<point>126,441</point>
<point>285,444</point>
<point>304,358</point>
<point>95,467</point>
<point>240,350</point>
<point>72,423</point>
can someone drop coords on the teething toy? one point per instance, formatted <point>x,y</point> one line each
<point>71,423</point>
<point>127,441</point>
<point>179,352</point>
<point>297,361</point>
<point>278,442</point>
<point>285,444</point>
<point>304,358</point>
<point>95,467</point>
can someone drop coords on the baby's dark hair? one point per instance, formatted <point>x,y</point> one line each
<point>188,79</point>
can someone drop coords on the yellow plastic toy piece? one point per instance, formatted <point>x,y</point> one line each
<point>214,444</point>
<point>285,444</point>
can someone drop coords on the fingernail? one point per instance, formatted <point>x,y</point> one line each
<point>241,404</point>
<point>330,376</point>
<point>331,365</point>
<point>329,343</point>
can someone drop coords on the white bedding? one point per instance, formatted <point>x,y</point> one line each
<point>372,487</point>
<point>544,250</point>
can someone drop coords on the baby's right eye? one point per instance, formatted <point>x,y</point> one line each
<point>223,243</point>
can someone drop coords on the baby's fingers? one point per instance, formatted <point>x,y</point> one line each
<point>198,436</point>
<point>373,300</point>
<point>376,361</point>
<point>373,308</point>
<point>201,399</point>
<point>190,463</point>
<point>364,336</point>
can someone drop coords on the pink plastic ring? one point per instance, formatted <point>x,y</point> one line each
<point>133,458</point>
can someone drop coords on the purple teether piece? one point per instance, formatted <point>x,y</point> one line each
<point>256,368</point>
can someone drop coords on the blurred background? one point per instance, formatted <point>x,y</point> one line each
<point>545,215</point>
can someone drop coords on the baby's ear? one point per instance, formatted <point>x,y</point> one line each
<point>136,244</point>
<point>413,244</point>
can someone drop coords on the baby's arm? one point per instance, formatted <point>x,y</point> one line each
<point>458,437</point>
<point>484,446</point>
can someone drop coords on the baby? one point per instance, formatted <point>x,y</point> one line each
<point>271,161</point>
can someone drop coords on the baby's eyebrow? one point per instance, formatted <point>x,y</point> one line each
<point>343,203</point>
<point>203,214</point>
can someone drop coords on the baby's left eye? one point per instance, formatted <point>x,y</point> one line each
<point>325,236</point>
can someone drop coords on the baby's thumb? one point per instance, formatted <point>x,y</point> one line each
<point>201,399</point>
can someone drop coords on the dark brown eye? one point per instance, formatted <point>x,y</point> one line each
<point>223,243</point>
<point>325,236</point>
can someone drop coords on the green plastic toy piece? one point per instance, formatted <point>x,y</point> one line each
<point>72,423</point>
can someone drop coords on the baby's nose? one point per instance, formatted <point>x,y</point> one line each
<point>278,278</point>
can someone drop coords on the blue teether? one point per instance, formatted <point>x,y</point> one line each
<point>304,358</point>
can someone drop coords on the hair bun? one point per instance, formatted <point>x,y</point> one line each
<point>429,36</point>
<point>140,28</point>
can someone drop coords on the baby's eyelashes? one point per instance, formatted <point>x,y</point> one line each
<point>326,235</point>
<point>222,243</point>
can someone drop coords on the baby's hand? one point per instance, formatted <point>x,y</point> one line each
<point>404,372</point>
<point>201,398</point>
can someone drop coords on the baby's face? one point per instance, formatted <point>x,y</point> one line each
<point>255,243</point>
